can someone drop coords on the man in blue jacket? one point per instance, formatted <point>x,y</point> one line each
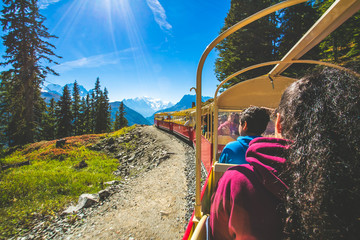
<point>253,122</point>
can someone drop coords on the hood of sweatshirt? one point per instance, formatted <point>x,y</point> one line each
<point>267,157</point>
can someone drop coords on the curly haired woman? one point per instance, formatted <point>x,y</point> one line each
<point>305,188</point>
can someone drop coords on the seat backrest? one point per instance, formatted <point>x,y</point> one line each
<point>219,169</point>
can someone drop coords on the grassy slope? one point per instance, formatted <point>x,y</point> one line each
<point>51,180</point>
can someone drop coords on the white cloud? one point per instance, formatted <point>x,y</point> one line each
<point>45,3</point>
<point>159,14</point>
<point>88,62</point>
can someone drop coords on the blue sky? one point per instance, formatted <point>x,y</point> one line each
<point>136,47</point>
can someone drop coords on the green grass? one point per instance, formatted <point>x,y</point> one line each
<point>120,132</point>
<point>51,181</point>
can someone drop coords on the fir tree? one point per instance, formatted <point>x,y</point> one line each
<point>101,115</point>
<point>27,51</point>
<point>49,122</point>
<point>107,110</point>
<point>76,109</point>
<point>253,44</point>
<point>93,109</point>
<point>5,109</point>
<point>64,116</point>
<point>343,45</point>
<point>101,109</point>
<point>88,120</point>
<point>40,113</point>
<point>120,120</point>
<point>97,89</point>
<point>295,22</point>
<point>82,110</point>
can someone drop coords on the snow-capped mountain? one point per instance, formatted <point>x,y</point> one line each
<point>53,88</point>
<point>185,102</point>
<point>56,89</point>
<point>146,106</point>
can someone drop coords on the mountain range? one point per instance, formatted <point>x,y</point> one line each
<point>132,116</point>
<point>55,91</point>
<point>146,106</point>
<point>186,102</point>
<point>135,108</point>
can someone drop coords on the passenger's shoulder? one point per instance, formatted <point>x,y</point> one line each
<point>238,173</point>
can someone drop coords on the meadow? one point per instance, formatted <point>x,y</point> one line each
<point>52,180</point>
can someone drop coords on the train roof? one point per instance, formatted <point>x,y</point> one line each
<point>260,91</point>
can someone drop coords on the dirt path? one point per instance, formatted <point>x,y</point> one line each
<point>149,206</point>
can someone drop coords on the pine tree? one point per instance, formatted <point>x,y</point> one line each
<point>76,109</point>
<point>27,51</point>
<point>101,109</point>
<point>97,89</point>
<point>93,109</point>
<point>49,122</point>
<point>120,120</point>
<point>343,45</point>
<point>101,115</point>
<point>82,110</point>
<point>107,111</point>
<point>40,114</point>
<point>255,43</point>
<point>5,109</point>
<point>88,116</point>
<point>63,114</point>
<point>295,22</point>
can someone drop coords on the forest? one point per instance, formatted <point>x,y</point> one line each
<point>24,115</point>
<point>271,38</point>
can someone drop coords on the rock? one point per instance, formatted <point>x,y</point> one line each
<point>60,143</point>
<point>117,173</point>
<point>132,157</point>
<point>163,213</point>
<point>114,182</point>
<point>103,194</point>
<point>70,210</point>
<point>87,200</point>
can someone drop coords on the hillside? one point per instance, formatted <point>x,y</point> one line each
<point>152,198</point>
<point>185,103</point>
<point>50,178</point>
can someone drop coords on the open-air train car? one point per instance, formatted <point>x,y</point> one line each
<point>263,91</point>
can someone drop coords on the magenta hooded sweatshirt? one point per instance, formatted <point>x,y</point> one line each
<point>247,202</point>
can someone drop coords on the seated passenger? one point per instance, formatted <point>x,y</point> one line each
<point>320,114</point>
<point>236,124</point>
<point>253,122</point>
<point>228,127</point>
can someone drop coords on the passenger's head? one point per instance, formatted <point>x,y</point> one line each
<point>321,114</point>
<point>231,117</point>
<point>236,118</point>
<point>253,121</point>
